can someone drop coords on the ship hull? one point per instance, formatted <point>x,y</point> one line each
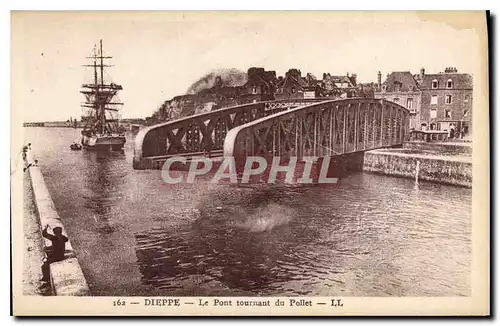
<point>104,142</point>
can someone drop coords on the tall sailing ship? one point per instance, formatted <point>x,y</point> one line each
<point>102,105</point>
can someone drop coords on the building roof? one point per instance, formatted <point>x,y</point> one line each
<point>405,80</point>
<point>338,79</point>
<point>298,81</point>
<point>341,79</point>
<point>460,81</point>
<point>259,76</point>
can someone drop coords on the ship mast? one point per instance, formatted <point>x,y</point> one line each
<point>99,95</point>
<point>95,82</point>
<point>103,113</point>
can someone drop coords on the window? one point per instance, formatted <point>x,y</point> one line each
<point>396,87</point>
<point>434,99</point>
<point>396,100</point>
<point>435,84</point>
<point>254,90</point>
<point>448,99</point>
<point>433,113</point>
<point>409,103</point>
<point>447,113</point>
<point>293,90</point>
<point>466,112</point>
<point>449,83</point>
<point>467,99</point>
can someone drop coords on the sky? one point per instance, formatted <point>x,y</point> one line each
<point>158,55</point>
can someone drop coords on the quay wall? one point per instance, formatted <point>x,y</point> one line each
<point>453,170</point>
<point>67,277</point>
<point>454,148</point>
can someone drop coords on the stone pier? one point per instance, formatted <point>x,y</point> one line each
<point>66,276</point>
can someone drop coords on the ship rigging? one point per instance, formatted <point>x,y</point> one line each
<point>101,129</point>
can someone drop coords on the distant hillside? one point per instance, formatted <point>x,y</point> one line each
<point>229,78</point>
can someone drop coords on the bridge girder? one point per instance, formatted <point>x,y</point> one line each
<point>290,127</point>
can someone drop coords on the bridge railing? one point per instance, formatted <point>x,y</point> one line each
<point>199,133</point>
<point>332,127</point>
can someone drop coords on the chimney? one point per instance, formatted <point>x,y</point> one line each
<point>294,73</point>
<point>379,79</point>
<point>353,79</point>
<point>422,73</point>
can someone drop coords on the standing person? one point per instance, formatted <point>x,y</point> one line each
<point>56,251</point>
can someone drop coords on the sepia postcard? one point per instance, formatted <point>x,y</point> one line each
<point>315,163</point>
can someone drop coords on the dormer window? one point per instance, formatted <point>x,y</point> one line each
<point>254,90</point>
<point>435,84</point>
<point>293,90</point>
<point>396,87</point>
<point>449,83</point>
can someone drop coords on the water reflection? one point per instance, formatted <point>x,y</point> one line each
<point>240,238</point>
<point>104,181</point>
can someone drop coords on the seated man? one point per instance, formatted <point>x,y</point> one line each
<point>56,252</point>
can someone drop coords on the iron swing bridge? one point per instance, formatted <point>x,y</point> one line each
<point>284,128</point>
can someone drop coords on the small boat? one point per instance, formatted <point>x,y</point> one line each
<point>75,147</point>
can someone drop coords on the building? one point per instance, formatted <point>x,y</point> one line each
<point>446,101</point>
<point>340,86</point>
<point>366,90</point>
<point>293,86</point>
<point>402,88</point>
<point>260,86</point>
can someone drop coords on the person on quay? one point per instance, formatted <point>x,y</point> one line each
<point>55,252</point>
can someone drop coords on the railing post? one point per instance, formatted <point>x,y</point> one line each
<point>331,129</point>
<point>344,129</point>
<point>315,137</point>
<point>356,122</point>
<point>365,131</point>
<point>381,124</point>
<point>401,125</point>
<point>297,131</point>
<point>373,115</point>
<point>389,126</point>
<point>274,138</point>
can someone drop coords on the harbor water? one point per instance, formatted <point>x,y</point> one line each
<point>370,235</point>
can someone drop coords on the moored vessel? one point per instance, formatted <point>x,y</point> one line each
<point>101,129</point>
